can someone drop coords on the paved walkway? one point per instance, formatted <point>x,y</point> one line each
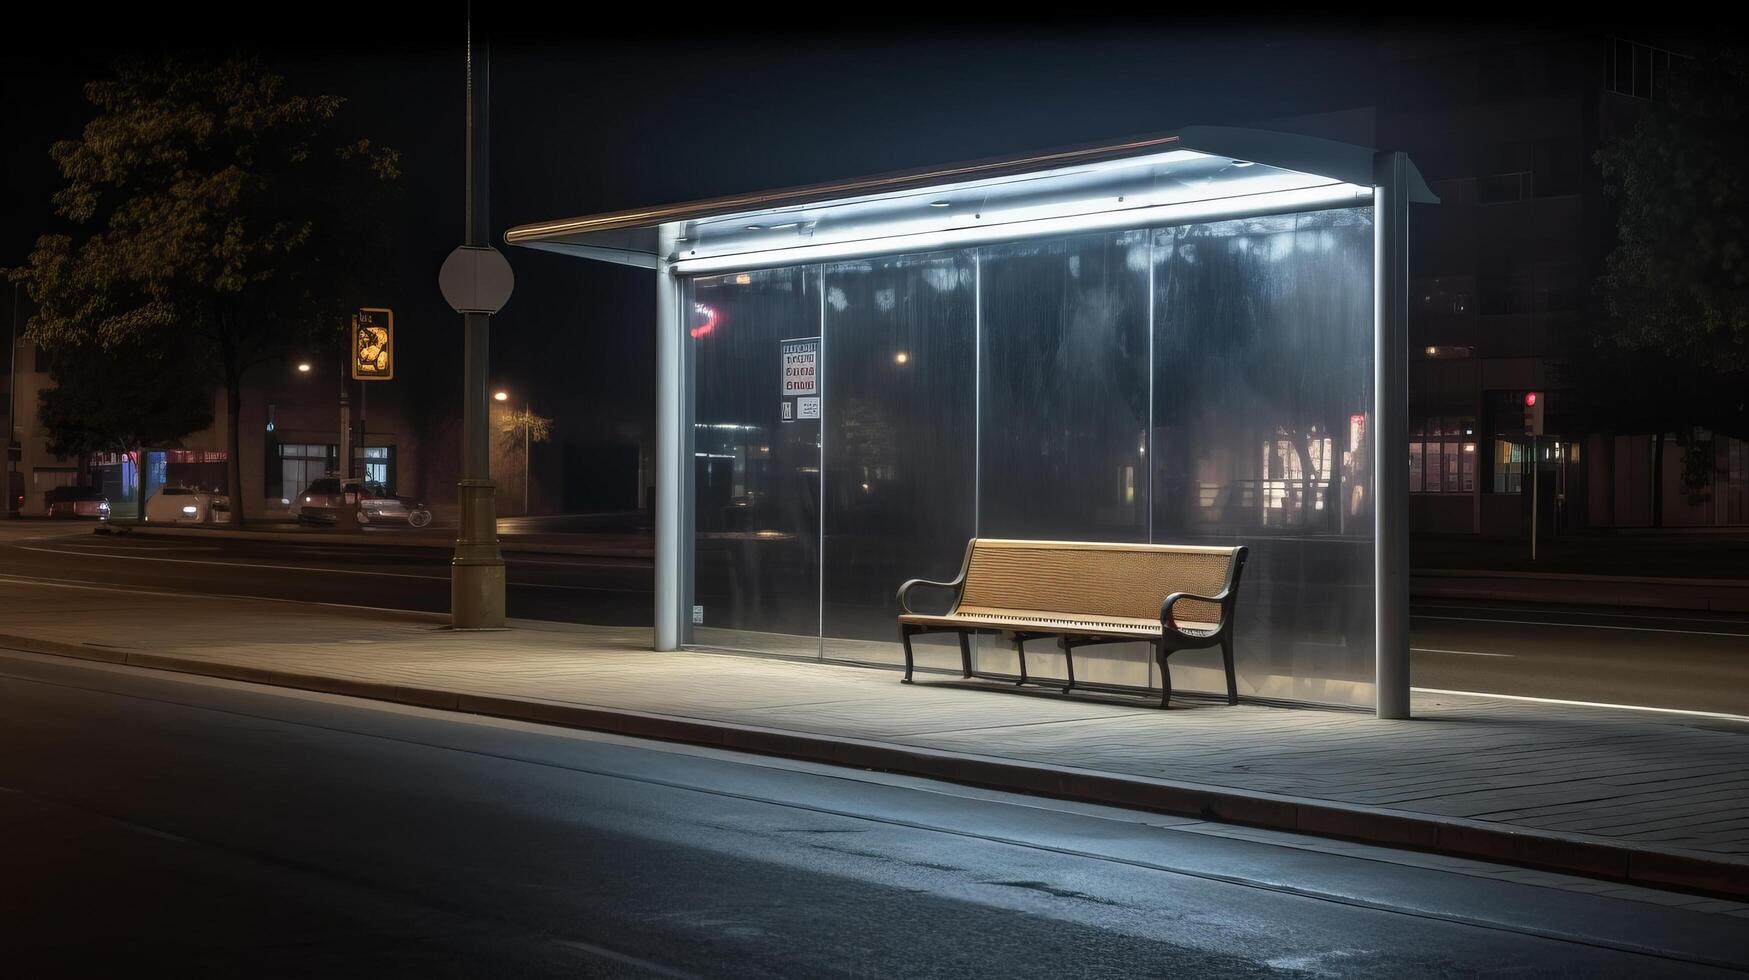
<point>1672,783</point>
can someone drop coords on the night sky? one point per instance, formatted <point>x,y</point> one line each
<point>586,121</point>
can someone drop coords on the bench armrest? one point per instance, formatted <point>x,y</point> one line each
<point>905,607</point>
<point>1170,622</point>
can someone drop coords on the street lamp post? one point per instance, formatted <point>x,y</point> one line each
<point>476,282</point>
<point>11,403</point>
<point>345,424</point>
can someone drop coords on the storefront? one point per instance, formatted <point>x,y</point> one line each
<point>1195,338</point>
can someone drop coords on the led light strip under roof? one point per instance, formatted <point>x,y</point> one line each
<point>1297,199</point>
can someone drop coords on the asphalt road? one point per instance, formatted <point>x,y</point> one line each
<point>164,825</point>
<point>1609,655</point>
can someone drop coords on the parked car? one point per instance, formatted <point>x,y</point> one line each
<point>80,503</point>
<point>325,500</point>
<point>188,505</point>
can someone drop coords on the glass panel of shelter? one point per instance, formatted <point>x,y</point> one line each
<point>1209,383</point>
<point>756,489</point>
<point>900,442</point>
<point>1263,335</point>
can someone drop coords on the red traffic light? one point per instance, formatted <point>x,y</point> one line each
<point>1529,398</point>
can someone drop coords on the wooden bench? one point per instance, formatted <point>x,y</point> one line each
<point>1173,597</point>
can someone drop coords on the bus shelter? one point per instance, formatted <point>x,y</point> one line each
<point>1192,338</point>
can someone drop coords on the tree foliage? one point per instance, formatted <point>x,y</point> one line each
<point>117,398</point>
<point>216,219</point>
<point>1677,281</point>
<point>1667,352</point>
<point>520,426</point>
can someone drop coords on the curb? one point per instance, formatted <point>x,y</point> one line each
<point>1667,869</point>
<point>361,537</point>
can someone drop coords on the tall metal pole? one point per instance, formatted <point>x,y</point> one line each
<point>476,585</point>
<point>1536,470</point>
<point>1391,433</point>
<point>343,467</point>
<point>11,402</point>
<point>526,415</point>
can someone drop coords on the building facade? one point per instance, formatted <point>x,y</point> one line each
<point>289,436</point>
<point>1507,136</point>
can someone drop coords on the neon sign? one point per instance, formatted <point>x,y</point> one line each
<point>710,320</point>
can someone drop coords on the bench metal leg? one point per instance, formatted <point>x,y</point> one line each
<point>1069,660</point>
<point>1227,655</point>
<point>905,631</point>
<point>1161,653</point>
<point>1020,651</point>
<point>965,654</point>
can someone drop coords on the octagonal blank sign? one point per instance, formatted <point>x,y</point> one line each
<point>476,279</point>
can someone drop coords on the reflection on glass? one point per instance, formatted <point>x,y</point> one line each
<point>1262,395</point>
<point>1065,389</point>
<point>900,432</point>
<point>757,476</point>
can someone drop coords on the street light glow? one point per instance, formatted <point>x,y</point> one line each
<point>303,367</point>
<point>501,396</point>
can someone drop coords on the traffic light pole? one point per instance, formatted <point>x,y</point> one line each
<point>1536,472</point>
<point>476,594</point>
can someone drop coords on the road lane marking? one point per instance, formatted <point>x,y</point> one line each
<point>100,548</point>
<point>649,966</point>
<point>318,570</point>
<point>61,583</point>
<point>1461,653</point>
<point>49,583</point>
<point>1689,712</point>
<point>1579,626</point>
<point>1716,619</point>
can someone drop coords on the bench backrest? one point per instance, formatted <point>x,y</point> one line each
<point>1083,578</point>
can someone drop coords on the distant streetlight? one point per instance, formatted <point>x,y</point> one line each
<point>344,447</point>
<point>504,396</point>
<point>901,357</point>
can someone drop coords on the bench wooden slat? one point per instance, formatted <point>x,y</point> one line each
<point>1118,581</point>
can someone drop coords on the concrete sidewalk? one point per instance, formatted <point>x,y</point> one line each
<point>1651,799</point>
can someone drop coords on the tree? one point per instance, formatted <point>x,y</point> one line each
<point>1678,278</point>
<point>214,214</point>
<point>1667,351</point>
<point>522,427</point>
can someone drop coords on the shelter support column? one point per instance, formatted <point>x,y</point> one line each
<point>1391,431</point>
<point>670,443</point>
